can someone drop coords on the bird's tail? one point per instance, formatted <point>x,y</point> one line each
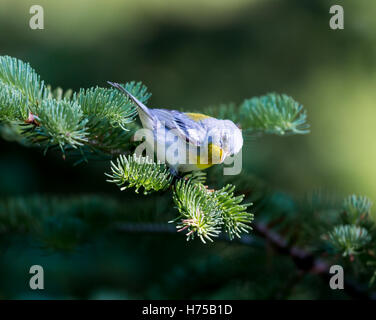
<point>141,108</point>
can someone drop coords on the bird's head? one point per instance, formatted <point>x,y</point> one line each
<point>231,138</point>
<point>226,135</point>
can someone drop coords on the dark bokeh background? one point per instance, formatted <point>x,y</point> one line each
<point>192,54</point>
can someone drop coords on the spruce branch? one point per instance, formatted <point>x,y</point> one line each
<point>60,122</point>
<point>199,213</point>
<point>204,212</point>
<point>351,233</point>
<point>357,209</point>
<point>270,114</point>
<point>273,113</point>
<point>106,107</point>
<point>110,117</point>
<point>349,240</point>
<point>138,90</point>
<point>94,120</point>
<point>235,217</point>
<point>20,76</point>
<point>12,104</point>
<point>355,232</point>
<point>137,171</point>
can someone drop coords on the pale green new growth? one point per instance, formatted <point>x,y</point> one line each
<point>61,123</point>
<point>19,76</point>
<point>204,212</point>
<point>349,239</point>
<point>136,171</point>
<point>356,229</point>
<point>12,104</point>
<point>235,217</point>
<point>109,105</point>
<point>356,209</point>
<point>199,213</point>
<point>274,113</point>
<point>269,114</point>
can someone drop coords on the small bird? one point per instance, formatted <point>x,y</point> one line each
<point>208,140</point>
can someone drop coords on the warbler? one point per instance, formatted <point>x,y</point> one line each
<point>206,140</point>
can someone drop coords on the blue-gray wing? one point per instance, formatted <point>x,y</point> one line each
<point>189,130</point>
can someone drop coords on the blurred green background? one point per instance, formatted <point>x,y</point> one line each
<point>192,54</point>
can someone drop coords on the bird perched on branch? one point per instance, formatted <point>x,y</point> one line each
<point>205,140</point>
